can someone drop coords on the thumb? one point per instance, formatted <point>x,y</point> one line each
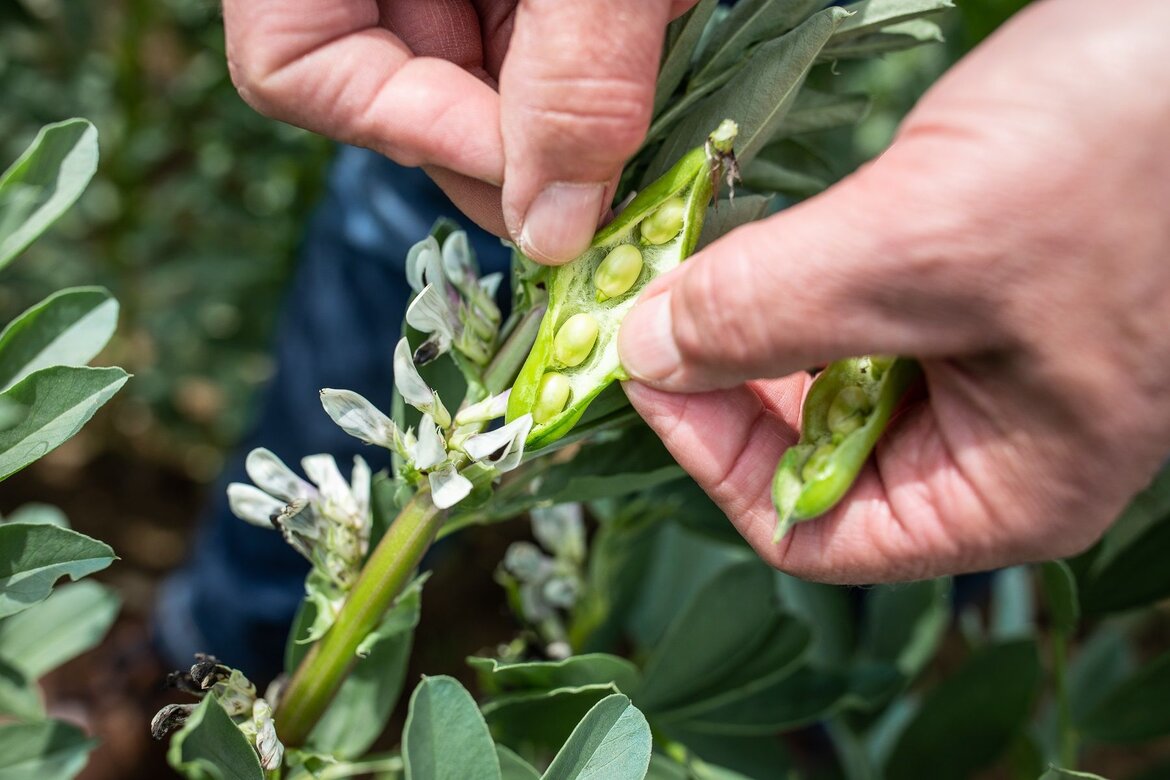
<point>875,265</point>
<point>576,93</point>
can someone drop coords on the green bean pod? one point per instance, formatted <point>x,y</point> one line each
<point>589,297</point>
<point>846,411</point>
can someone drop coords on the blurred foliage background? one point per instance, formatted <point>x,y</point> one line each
<point>192,220</point>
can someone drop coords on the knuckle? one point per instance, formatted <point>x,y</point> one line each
<point>706,330</point>
<point>608,116</point>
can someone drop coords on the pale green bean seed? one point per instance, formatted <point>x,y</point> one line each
<point>818,462</point>
<point>618,271</point>
<point>848,410</point>
<point>665,223</point>
<point>575,340</point>
<point>551,397</point>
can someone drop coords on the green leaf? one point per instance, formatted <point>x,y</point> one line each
<point>359,711</point>
<point>826,611</point>
<point>682,49</point>
<point>48,750</point>
<point>903,624</point>
<point>871,16</point>
<point>759,96</point>
<point>575,671</point>
<point>33,557</point>
<point>542,719</point>
<point>445,736</point>
<point>767,176</point>
<point>1136,709</point>
<point>1101,663</point>
<point>211,747</point>
<point>44,182</point>
<point>19,696</point>
<point>969,719</point>
<point>512,767</point>
<point>726,215</point>
<point>1129,570</point>
<point>815,110</point>
<point>35,513</point>
<point>72,620</point>
<point>612,742</point>
<point>749,23</point>
<point>66,329</point>
<point>896,37</point>
<point>707,641</point>
<point>1060,591</point>
<point>58,401</point>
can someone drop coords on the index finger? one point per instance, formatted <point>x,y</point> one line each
<point>331,66</point>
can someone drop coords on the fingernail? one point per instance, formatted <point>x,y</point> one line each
<point>561,221</point>
<point>646,341</point>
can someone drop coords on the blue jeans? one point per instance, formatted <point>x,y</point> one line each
<point>236,595</point>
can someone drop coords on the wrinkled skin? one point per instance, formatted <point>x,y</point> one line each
<point>1015,238</point>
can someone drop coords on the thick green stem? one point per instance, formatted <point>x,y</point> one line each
<point>386,573</point>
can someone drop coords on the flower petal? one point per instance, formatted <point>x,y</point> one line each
<point>359,418</point>
<point>491,283</point>
<point>502,448</point>
<point>431,312</point>
<point>253,505</point>
<point>448,487</point>
<point>561,529</point>
<point>430,450</point>
<point>335,495</point>
<point>410,384</point>
<point>458,263</point>
<point>273,477</point>
<point>421,256</point>
<point>360,481</point>
<point>488,409</point>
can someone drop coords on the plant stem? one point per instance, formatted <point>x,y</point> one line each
<point>385,574</point>
<point>1068,733</point>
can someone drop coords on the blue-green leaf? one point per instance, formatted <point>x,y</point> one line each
<point>445,736</point>
<point>682,49</point>
<point>903,624</point>
<point>1136,709</point>
<point>587,669</point>
<point>512,767</point>
<point>971,718</point>
<point>44,182</point>
<point>57,401</point>
<point>48,750</point>
<point>211,747</point>
<point>66,329</point>
<point>541,719</point>
<point>612,742</point>
<point>19,696</point>
<point>66,624</point>
<point>34,556</point>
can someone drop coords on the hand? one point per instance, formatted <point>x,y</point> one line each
<point>546,99</point>
<point>1016,240</point>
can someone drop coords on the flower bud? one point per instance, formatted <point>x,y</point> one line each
<point>551,397</point>
<point>575,340</point>
<point>618,271</point>
<point>665,223</point>
<point>848,410</point>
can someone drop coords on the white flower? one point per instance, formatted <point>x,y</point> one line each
<point>432,312</point>
<point>252,504</point>
<point>561,530</point>
<point>488,409</point>
<point>448,487</point>
<point>273,477</point>
<point>502,448</point>
<point>423,263</point>
<point>414,389</point>
<point>267,744</point>
<point>429,449</point>
<point>360,418</point>
<point>458,265</point>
